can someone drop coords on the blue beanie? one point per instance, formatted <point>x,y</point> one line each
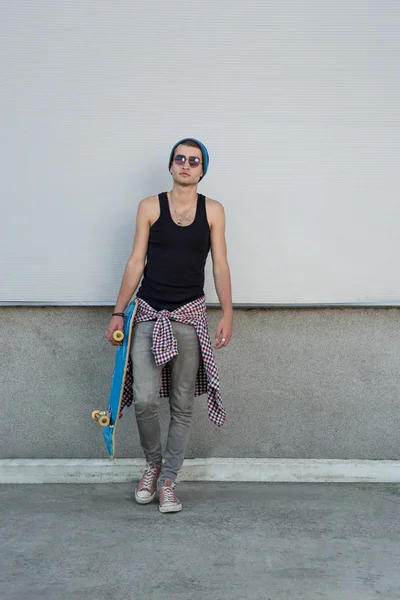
<point>206,158</point>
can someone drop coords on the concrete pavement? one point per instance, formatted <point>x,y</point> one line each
<point>248,541</point>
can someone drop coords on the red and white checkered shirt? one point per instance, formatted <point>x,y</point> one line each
<point>165,347</point>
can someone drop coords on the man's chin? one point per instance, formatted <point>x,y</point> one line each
<point>185,181</point>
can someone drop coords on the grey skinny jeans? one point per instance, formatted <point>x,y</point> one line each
<point>146,395</point>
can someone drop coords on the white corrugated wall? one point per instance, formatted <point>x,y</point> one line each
<point>297,102</point>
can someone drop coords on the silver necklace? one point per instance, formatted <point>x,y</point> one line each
<point>181,219</point>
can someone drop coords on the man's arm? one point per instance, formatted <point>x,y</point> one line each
<point>221,271</point>
<point>135,265</point>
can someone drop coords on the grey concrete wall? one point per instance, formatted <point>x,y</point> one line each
<point>296,383</point>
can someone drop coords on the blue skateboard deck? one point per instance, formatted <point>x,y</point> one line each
<point>108,419</point>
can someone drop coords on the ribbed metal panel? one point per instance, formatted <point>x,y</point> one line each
<point>297,102</point>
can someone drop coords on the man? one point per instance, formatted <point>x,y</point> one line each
<point>171,348</point>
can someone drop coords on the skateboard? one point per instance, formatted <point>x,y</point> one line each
<point>108,419</point>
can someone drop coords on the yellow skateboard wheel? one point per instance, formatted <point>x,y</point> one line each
<point>104,421</point>
<point>118,335</point>
<point>95,415</point>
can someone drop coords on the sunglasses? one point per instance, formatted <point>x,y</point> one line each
<point>194,161</point>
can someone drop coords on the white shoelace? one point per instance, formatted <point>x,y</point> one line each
<point>148,478</point>
<point>169,495</point>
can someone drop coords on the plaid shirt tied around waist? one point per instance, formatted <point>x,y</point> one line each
<point>165,347</point>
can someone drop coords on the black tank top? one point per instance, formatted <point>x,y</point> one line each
<point>176,257</point>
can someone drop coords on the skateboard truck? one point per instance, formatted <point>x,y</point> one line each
<point>103,417</point>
